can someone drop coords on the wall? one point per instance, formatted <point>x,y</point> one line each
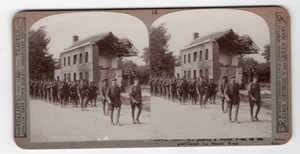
<point>197,65</point>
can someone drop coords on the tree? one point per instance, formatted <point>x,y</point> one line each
<point>161,60</point>
<point>267,53</point>
<point>41,63</point>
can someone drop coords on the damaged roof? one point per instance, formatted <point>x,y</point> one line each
<point>243,44</point>
<point>122,47</point>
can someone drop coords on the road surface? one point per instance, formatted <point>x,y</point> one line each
<point>51,123</point>
<point>174,121</point>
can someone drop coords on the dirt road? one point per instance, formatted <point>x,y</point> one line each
<point>174,121</point>
<point>51,123</point>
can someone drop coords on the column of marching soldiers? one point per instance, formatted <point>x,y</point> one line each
<point>203,91</point>
<point>84,93</point>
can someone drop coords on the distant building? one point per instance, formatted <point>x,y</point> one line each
<point>94,58</point>
<point>214,55</point>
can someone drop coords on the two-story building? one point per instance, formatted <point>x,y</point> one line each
<point>94,58</point>
<point>214,55</point>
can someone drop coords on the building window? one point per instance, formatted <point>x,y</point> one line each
<point>80,75</point>
<point>74,59</point>
<point>184,59</point>
<point>195,74</point>
<point>200,73</point>
<point>65,76</point>
<point>177,75</point>
<point>200,57</point>
<point>87,75</point>
<point>69,77</point>
<point>189,58</point>
<point>57,78</point>
<point>206,54</point>
<point>86,57</point>
<point>74,76</point>
<point>195,56</point>
<point>80,58</point>
<point>64,61</point>
<point>69,59</point>
<point>189,74</point>
<point>206,73</point>
<point>184,73</point>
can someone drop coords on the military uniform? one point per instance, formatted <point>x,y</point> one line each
<point>233,99</point>
<point>221,90</point>
<point>113,94</point>
<point>93,94</point>
<point>254,98</point>
<point>135,94</point>
<point>192,91</point>
<point>104,99</point>
<point>62,90</point>
<point>82,94</point>
<point>201,91</point>
<point>212,91</point>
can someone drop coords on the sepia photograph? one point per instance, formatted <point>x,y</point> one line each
<point>210,75</point>
<point>88,80</point>
<point>173,77</point>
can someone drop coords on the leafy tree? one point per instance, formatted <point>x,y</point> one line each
<point>41,63</point>
<point>161,60</point>
<point>267,53</point>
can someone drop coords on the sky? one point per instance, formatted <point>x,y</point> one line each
<point>181,25</point>
<point>61,29</point>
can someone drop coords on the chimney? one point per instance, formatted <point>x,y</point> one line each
<point>75,38</point>
<point>196,35</point>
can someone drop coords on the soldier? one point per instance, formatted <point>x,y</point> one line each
<point>212,91</point>
<point>48,88</point>
<point>93,94</point>
<point>173,88</point>
<point>104,99</point>
<point>254,97</point>
<point>135,94</point>
<point>221,90</point>
<point>73,94</point>
<point>231,92</point>
<point>192,91</point>
<point>113,95</point>
<point>183,89</point>
<point>40,90</point>
<point>62,90</point>
<point>81,92</point>
<point>200,88</point>
<point>53,92</point>
<point>167,88</point>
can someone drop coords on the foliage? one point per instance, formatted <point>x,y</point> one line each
<point>41,63</point>
<point>131,70</point>
<point>161,60</point>
<point>251,66</point>
<point>267,53</point>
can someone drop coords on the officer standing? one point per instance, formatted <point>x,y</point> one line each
<point>81,91</point>
<point>104,99</point>
<point>232,97</point>
<point>113,95</point>
<point>93,94</point>
<point>201,91</point>
<point>135,94</point>
<point>254,97</point>
<point>221,90</point>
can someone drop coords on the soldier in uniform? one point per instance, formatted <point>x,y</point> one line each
<point>104,99</point>
<point>221,90</point>
<point>73,94</point>
<point>135,94</point>
<point>192,91</point>
<point>62,90</point>
<point>81,92</point>
<point>48,88</point>
<point>231,92</point>
<point>53,92</point>
<point>113,95</point>
<point>173,89</point>
<point>200,88</point>
<point>212,91</point>
<point>254,97</point>
<point>93,94</point>
<point>183,89</point>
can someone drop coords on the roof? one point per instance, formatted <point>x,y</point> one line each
<point>124,46</point>
<point>243,44</point>
<point>93,38</point>
<point>212,36</point>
